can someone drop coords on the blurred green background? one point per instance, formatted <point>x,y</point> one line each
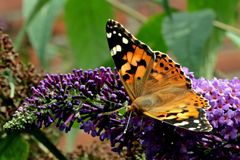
<point>60,35</point>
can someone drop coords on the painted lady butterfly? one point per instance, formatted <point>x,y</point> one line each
<point>156,84</point>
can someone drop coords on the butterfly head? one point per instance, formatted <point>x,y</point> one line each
<point>130,108</point>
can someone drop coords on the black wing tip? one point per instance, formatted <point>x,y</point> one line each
<point>206,127</point>
<point>113,25</point>
<point>203,125</point>
<point>110,23</point>
<point>197,124</point>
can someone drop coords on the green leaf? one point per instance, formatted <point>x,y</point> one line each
<point>186,35</point>
<point>225,12</point>
<point>151,33</point>
<point>85,23</point>
<point>13,147</point>
<point>122,112</point>
<point>39,31</point>
<point>29,19</point>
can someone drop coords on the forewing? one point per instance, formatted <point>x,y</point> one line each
<point>133,59</point>
<point>167,73</point>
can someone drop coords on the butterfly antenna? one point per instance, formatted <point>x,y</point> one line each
<point>125,130</point>
<point>111,112</point>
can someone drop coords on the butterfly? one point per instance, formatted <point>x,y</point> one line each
<point>156,84</point>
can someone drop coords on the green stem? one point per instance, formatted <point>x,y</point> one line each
<point>138,16</point>
<point>40,136</point>
<point>226,27</point>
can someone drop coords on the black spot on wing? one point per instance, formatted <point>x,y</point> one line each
<point>125,77</point>
<point>166,68</point>
<point>171,114</point>
<point>119,61</point>
<point>142,63</point>
<point>177,65</point>
<point>132,70</point>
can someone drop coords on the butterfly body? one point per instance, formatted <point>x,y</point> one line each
<point>156,84</point>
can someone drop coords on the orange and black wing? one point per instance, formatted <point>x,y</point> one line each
<point>177,103</point>
<point>133,59</point>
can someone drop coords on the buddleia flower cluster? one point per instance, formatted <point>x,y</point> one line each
<point>95,101</point>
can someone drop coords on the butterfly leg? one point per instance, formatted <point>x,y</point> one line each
<point>125,130</point>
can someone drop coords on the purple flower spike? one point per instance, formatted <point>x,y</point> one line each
<point>92,97</point>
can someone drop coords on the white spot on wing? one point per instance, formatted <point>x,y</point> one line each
<point>192,129</point>
<point>183,123</point>
<point>109,35</point>
<point>114,32</point>
<point>113,51</point>
<point>196,121</point>
<point>119,34</point>
<point>116,49</point>
<point>124,40</point>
